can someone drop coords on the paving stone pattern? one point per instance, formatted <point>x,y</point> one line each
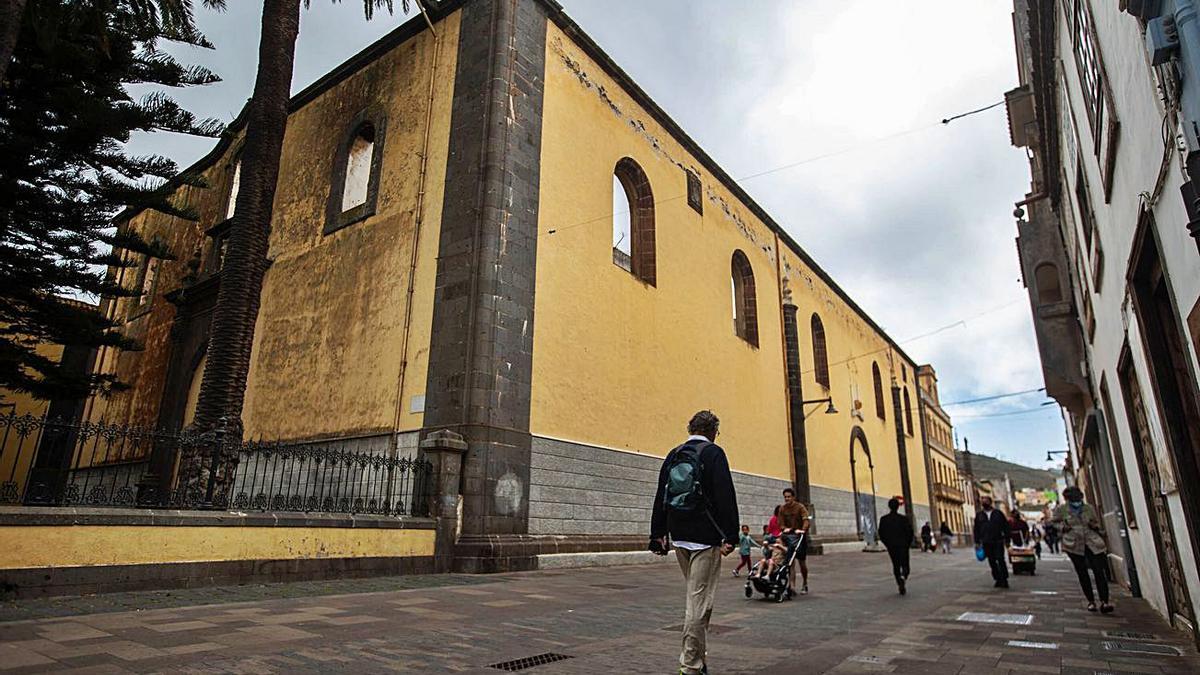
<point>608,620</point>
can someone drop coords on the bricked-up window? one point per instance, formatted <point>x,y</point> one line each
<point>908,428</point>
<point>820,353</point>
<point>745,308</point>
<point>695,199</point>
<point>1097,96</point>
<point>639,258</point>
<point>147,282</point>
<point>235,182</point>
<point>358,168</point>
<point>357,164</point>
<point>1049,287</point>
<point>880,409</point>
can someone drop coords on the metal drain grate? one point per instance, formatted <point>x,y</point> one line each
<point>1129,635</point>
<point>530,662</point>
<point>1139,648</point>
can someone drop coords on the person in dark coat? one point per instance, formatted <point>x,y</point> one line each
<point>992,534</point>
<point>926,538</point>
<point>1052,537</point>
<point>896,534</point>
<point>700,536</point>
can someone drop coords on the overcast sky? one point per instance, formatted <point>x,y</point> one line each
<point>913,218</point>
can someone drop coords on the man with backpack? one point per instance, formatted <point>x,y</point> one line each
<point>696,506</point>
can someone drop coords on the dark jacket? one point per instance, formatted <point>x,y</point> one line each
<point>926,533</point>
<point>895,531</point>
<point>991,529</point>
<point>946,531</point>
<point>696,526</point>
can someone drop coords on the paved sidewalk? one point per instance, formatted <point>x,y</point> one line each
<point>611,620</point>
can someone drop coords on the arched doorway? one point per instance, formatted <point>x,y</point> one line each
<point>862,481</point>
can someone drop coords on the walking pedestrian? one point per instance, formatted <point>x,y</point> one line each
<point>1083,540</point>
<point>991,534</point>
<point>1018,529</point>
<point>1052,537</point>
<point>1036,532</point>
<point>947,535</point>
<point>926,538</point>
<point>696,507</point>
<point>793,523</point>
<point>896,534</point>
<point>745,545</point>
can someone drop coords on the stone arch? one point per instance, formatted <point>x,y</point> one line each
<point>859,437</point>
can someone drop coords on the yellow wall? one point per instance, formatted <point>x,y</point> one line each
<point>326,360</point>
<point>330,334</point>
<point>621,364</point>
<point>18,451</point>
<point>81,545</point>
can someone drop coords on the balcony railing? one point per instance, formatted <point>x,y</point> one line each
<point>49,462</point>
<point>948,492</point>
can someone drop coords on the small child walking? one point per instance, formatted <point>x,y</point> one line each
<point>745,544</point>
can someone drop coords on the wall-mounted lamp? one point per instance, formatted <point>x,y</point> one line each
<point>830,410</point>
<point>1055,452</point>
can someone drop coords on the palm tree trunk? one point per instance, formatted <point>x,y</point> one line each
<point>11,12</point>
<point>223,387</point>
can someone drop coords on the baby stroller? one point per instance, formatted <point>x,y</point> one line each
<point>777,586</point>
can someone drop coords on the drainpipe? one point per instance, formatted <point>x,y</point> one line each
<point>418,218</point>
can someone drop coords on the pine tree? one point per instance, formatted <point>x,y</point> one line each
<point>64,117</point>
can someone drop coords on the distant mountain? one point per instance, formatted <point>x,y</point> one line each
<point>1021,476</point>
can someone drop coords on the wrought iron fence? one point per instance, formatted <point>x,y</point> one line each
<point>50,462</point>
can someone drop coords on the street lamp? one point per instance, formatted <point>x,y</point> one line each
<point>1055,452</point>
<point>830,410</point>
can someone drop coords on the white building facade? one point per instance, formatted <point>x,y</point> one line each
<point>1110,256</point>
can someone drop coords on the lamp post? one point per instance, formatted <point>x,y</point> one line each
<point>830,410</point>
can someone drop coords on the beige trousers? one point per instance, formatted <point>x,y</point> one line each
<point>701,569</point>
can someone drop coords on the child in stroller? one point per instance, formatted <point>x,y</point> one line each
<point>772,575</point>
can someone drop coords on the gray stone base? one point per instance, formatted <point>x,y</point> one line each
<point>578,489</point>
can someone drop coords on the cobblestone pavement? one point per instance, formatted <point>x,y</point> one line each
<point>609,620</point>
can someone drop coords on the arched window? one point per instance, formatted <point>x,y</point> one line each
<point>633,221</point>
<point>745,309</point>
<point>820,354</point>
<point>1049,290</point>
<point>879,407</point>
<point>907,413</point>
<point>354,187</point>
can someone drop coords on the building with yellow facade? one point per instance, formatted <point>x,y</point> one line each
<point>944,478</point>
<point>446,254</point>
